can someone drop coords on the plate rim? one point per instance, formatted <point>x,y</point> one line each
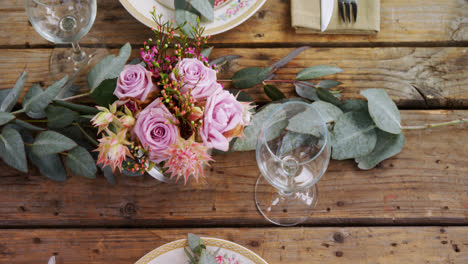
<point>212,31</point>
<point>209,241</point>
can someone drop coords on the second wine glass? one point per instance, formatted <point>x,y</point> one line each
<point>293,153</point>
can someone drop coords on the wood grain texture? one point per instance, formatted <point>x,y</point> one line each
<point>384,245</point>
<point>414,77</point>
<point>401,21</point>
<point>427,183</point>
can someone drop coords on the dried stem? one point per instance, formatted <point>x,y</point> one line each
<point>436,124</point>
<point>75,97</point>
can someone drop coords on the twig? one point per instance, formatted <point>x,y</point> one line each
<point>92,140</point>
<point>18,112</point>
<point>74,97</point>
<point>435,125</point>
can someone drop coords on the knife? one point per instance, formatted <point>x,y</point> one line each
<point>326,11</point>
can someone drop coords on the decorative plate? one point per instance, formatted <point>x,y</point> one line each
<point>230,253</point>
<point>227,13</point>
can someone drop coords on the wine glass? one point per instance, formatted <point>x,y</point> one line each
<point>65,21</point>
<point>293,152</point>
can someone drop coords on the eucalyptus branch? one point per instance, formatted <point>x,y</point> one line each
<point>18,112</point>
<point>74,97</point>
<point>453,122</point>
<point>91,139</point>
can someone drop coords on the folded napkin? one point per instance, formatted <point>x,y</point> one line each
<point>305,16</point>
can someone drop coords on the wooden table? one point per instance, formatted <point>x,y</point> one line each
<point>412,208</point>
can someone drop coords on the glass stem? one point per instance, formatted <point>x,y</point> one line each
<point>78,54</point>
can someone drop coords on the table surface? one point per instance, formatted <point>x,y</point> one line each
<point>412,208</point>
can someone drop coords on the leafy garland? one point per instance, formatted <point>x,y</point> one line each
<point>368,132</point>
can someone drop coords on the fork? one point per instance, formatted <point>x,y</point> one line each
<point>344,7</point>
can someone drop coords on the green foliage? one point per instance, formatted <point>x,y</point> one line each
<point>26,125</point>
<point>103,95</point>
<point>186,19</point>
<point>288,58</point>
<point>108,174</point>
<point>59,117</point>
<point>353,105</point>
<point>327,84</point>
<point>306,90</point>
<point>241,95</point>
<point>50,142</point>
<point>329,113</point>
<point>316,72</point>
<point>82,109</point>
<point>13,95</point>
<point>326,96</point>
<point>198,254</point>
<point>383,110</point>
<point>223,60</point>
<point>5,118</point>
<point>12,149</point>
<point>108,68</point>
<point>206,52</point>
<point>387,146</point>
<point>273,93</point>
<point>80,162</point>
<point>49,165</point>
<point>249,77</point>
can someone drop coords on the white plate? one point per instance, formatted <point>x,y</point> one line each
<point>227,15</point>
<point>230,253</point>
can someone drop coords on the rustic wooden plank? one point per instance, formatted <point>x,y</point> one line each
<point>402,21</point>
<point>414,77</point>
<point>276,245</point>
<point>427,183</point>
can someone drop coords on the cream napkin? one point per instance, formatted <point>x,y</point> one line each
<point>305,16</point>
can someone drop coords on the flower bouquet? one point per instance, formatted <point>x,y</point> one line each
<point>170,110</point>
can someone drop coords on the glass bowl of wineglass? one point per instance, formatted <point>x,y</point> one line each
<point>65,22</point>
<point>293,152</point>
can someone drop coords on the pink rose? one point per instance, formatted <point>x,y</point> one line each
<point>134,82</point>
<point>193,74</point>
<point>155,128</point>
<point>222,120</point>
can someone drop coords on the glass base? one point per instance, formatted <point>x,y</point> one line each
<point>61,63</point>
<point>284,209</point>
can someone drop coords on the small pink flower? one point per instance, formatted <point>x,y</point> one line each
<point>134,82</point>
<point>113,149</point>
<point>223,120</point>
<point>187,157</point>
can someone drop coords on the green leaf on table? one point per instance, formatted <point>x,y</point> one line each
<point>353,136</point>
<point>3,94</point>
<point>326,96</point>
<point>206,52</point>
<point>26,125</point>
<point>204,7</point>
<point>288,58</point>
<point>59,117</point>
<point>194,241</point>
<point>250,77</point>
<point>273,93</point>
<point>329,112</point>
<point>293,140</point>
<point>207,258</point>
<point>306,123</point>
<point>69,89</point>
<point>83,109</point>
<point>80,162</point>
<point>306,91</point>
<point>223,60</point>
<point>186,19</point>
<point>241,95</point>
<point>12,149</point>
<point>316,72</point>
<point>327,84</point>
<point>49,165</point>
<point>383,110</point>
<point>5,117</point>
<point>50,142</point>
<point>108,174</point>
<point>35,101</point>
<point>14,94</point>
<point>108,68</point>
<point>103,95</point>
<point>387,145</point>
<point>353,105</point>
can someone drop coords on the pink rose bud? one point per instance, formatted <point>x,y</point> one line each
<point>196,114</point>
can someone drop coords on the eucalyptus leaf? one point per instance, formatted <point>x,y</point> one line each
<point>50,142</point>
<point>108,68</point>
<point>241,95</point>
<point>3,94</point>
<point>13,96</point>
<point>83,109</point>
<point>317,71</point>
<point>327,84</point>
<point>5,117</point>
<point>293,140</point>
<point>387,146</point>
<point>206,52</point>
<point>383,110</point>
<point>108,174</point>
<point>307,122</point>
<point>69,89</point>
<point>135,61</point>
<point>189,255</point>
<point>80,162</point>
<point>59,117</point>
<point>27,125</point>
<point>193,241</point>
<point>207,258</point>
<point>204,7</point>
<point>353,136</point>
<point>273,93</point>
<point>103,95</point>
<point>12,149</point>
<point>329,112</point>
<point>49,165</point>
<point>326,96</point>
<point>186,18</point>
<point>288,57</point>
<point>250,77</point>
<point>306,91</point>
<point>353,105</point>
<point>223,60</point>
<point>36,100</point>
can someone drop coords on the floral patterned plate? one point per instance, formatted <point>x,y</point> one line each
<point>227,15</point>
<point>230,253</point>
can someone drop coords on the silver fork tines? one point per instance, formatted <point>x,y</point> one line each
<point>346,8</point>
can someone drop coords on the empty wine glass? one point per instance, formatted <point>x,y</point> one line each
<point>293,153</point>
<point>65,21</point>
